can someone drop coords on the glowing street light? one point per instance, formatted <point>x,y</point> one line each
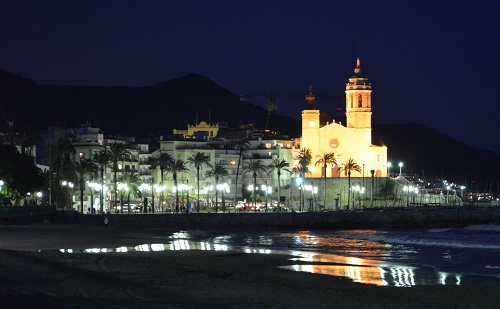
<point>122,188</point>
<point>389,164</point>
<point>208,190</point>
<point>94,186</point>
<point>268,190</point>
<point>159,190</point>
<point>400,166</point>
<point>39,196</point>
<point>410,190</point>
<point>223,187</point>
<point>69,185</point>
<point>144,188</point>
<point>313,190</point>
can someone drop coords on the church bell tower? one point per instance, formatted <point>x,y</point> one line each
<point>358,93</point>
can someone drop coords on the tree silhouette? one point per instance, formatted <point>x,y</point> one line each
<point>324,160</point>
<point>279,165</point>
<point>198,159</point>
<point>347,168</point>
<point>254,166</point>
<point>176,167</point>
<point>82,168</point>
<point>216,171</point>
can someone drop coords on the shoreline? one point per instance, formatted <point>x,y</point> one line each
<point>185,279</point>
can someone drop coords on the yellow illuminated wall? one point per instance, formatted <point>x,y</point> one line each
<point>351,141</point>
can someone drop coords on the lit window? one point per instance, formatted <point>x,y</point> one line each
<point>82,155</point>
<point>268,145</point>
<point>120,166</point>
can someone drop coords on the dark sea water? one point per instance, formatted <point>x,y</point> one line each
<point>467,256</point>
<point>392,257</point>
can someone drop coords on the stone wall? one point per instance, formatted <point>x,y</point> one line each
<point>26,214</point>
<point>395,217</point>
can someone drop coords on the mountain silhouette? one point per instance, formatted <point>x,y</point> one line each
<point>132,111</point>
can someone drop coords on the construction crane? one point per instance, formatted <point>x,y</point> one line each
<point>310,98</point>
<point>272,100</point>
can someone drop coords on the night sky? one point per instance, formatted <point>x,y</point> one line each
<point>433,63</point>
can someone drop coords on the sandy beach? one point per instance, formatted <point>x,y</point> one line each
<point>184,279</point>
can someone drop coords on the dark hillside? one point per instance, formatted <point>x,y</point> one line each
<point>132,111</point>
<point>428,152</point>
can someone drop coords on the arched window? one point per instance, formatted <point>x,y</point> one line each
<point>360,101</point>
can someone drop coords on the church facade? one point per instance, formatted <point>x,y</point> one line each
<point>352,141</point>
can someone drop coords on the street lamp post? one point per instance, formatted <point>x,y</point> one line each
<point>93,186</point>
<point>400,166</point>
<point>410,190</point>
<point>144,188</point>
<point>252,188</point>
<point>447,193</point>
<point>224,188</point>
<point>152,195</point>
<point>268,190</point>
<point>207,191</point>
<point>122,188</point>
<point>313,189</point>
<point>373,178</point>
<point>363,174</point>
<point>300,184</point>
<point>389,164</point>
<point>160,189</point>
<point>69,185</point>
<point>462,193</point>
<point>38,196</point>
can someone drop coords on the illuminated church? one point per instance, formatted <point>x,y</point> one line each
<point>354,140</point>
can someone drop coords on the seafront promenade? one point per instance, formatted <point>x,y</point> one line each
<point>389,217</point>
<point>380,217</point>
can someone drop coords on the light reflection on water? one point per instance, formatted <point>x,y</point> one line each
<point>359,270</point>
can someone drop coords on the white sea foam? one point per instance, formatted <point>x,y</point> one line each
<point>485,227</point>
<point>422,242</point>
<point>439,230</point>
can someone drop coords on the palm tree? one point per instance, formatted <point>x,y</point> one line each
<point>175,167</point>
<point>132,181</point>
<point>163,161</point>
<point>83,167</point>
<point>305,158</point>
<point>271,107</point>
<point>254,166</point>
<point>198,159</point>
<point>216,171</point>
<point>241,145</point>
<point>279,165</point>
<point>118,152</point>
<point>102,159</point>
<point>61,165</point>
<point>347,168</point>
<point>325,159</point>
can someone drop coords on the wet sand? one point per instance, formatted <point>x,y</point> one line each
<point>184,279</point>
